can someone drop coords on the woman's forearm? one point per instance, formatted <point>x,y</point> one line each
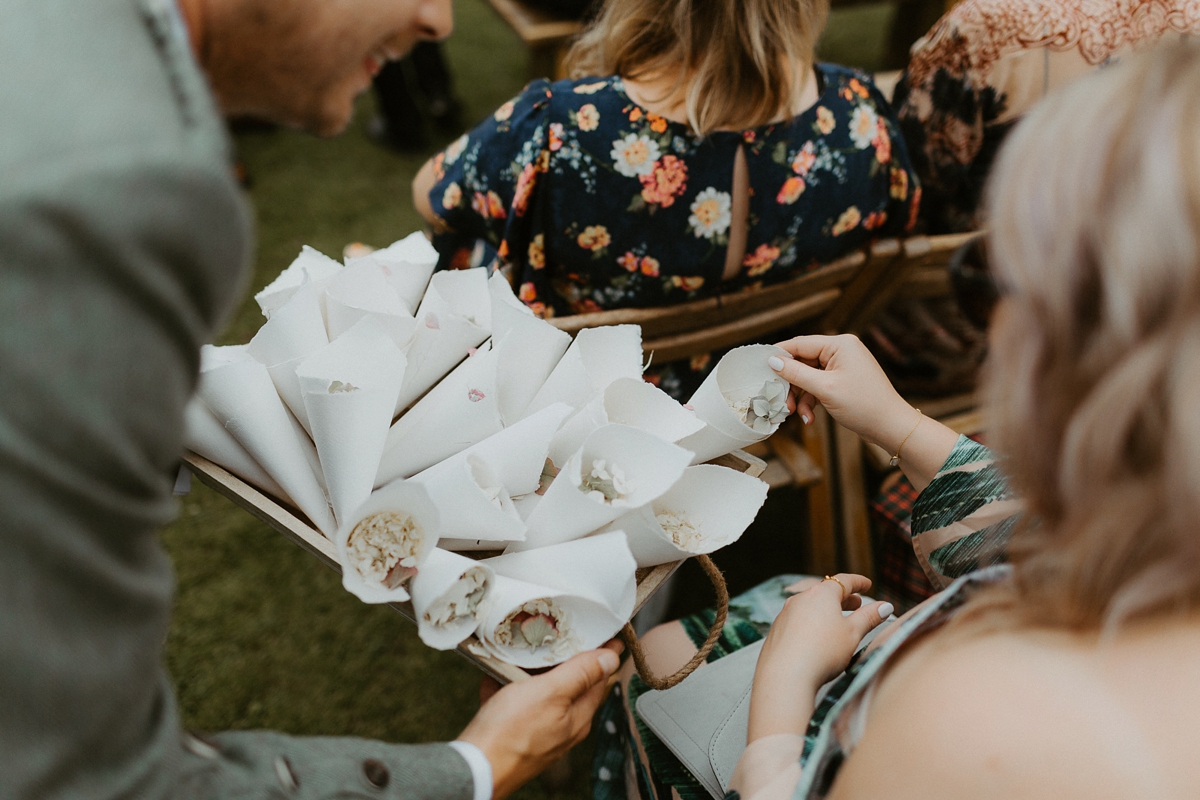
<point>768,769</point>
<point>778,705</point>
<point>924,451</point>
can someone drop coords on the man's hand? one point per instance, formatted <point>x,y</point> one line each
<point>527,726</point>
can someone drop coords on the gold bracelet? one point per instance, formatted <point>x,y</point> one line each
<point>896,458</point>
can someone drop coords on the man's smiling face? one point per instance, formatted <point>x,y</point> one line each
<point>303,62</point>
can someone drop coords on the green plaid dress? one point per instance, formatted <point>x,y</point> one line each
<point>964,519</point>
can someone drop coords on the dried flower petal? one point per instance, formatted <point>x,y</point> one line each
<point>337,387</point>
<point>380,543</point>
<point>461,600</point>
<point>684,531</point>
<point>538,623</point>
<point>767,408</point>
<point>609,483</point>
<point>539,630</point>
<point>398,574</point>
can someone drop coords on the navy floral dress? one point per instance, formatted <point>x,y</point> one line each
<point>597,203</point>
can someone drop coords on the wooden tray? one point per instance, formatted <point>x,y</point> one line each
<point>295,526</point>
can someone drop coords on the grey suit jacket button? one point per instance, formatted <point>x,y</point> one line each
<point>200,746</point>
<point>287,778</point>
<point>377,774</point>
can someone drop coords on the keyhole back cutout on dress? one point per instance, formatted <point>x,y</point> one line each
<point>739,224</point>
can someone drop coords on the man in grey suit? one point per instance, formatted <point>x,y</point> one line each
<point>124,244</point>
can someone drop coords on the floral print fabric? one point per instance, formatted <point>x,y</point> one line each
<point>597,203</point>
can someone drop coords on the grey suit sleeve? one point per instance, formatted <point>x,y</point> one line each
<point>112,273</point>
<point>250,763</point>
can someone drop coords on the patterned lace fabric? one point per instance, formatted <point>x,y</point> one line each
<point>987,62</point>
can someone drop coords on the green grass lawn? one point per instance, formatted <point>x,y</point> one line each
<point>264,636</point>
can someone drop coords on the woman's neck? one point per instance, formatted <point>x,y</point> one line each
<point>655,94</point>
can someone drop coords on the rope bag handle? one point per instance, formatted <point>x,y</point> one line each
<point>639,656</point>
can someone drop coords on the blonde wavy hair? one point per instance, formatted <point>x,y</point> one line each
<point>737,63</point>
<point>1094,372</point>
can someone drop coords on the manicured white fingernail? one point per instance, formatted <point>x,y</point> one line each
<point>804,418</point>
<point>609,661</point>
<point>885,610</point>
<point>775,363</point>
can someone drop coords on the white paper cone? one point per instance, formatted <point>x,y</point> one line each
<point>295,330</point>
<point>592,581</point>
<point>626,401</point>
<point>460,411</point>
<point>444,616</point>
<point>362,290</point>
<point>649,465</point>
<point>596,358</point>
<point>408,264</point>
<point>239,392</point>
<point>378,545</point>
<point>576,429</point>
<point>204,434</point>
<point>517,454</point>
<point>463,292</point>
<point>350,388</point>
<point>310,267</point>
<point>471,545</point>
<point>526,503</point>
<point>739,375</point>
<point>439,344</point>
<point>473,504</point>
<point>633,402</point>
<point>506,308</point>
<point>454,316</point>
<point>717,503</point>
<point>528,352</point>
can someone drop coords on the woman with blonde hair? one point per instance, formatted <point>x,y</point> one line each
<point>1068,672</point>
<point>698,149</point>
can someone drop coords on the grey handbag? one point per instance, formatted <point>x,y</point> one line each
<point>704,719</point>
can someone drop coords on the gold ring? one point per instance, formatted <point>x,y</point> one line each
<point>845,591</point>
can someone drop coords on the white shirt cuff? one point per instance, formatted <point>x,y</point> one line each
<point>481,768</point>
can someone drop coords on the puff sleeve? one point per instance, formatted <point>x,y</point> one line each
<point>487,180</point>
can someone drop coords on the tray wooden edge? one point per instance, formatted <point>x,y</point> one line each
<point>295,527</point>
<point>286,521</point>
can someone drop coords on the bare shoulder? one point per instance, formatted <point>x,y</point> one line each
<point>1000,715</point>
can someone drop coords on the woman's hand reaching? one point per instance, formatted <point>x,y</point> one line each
<point>840,373</point>
<point>810,643</point>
